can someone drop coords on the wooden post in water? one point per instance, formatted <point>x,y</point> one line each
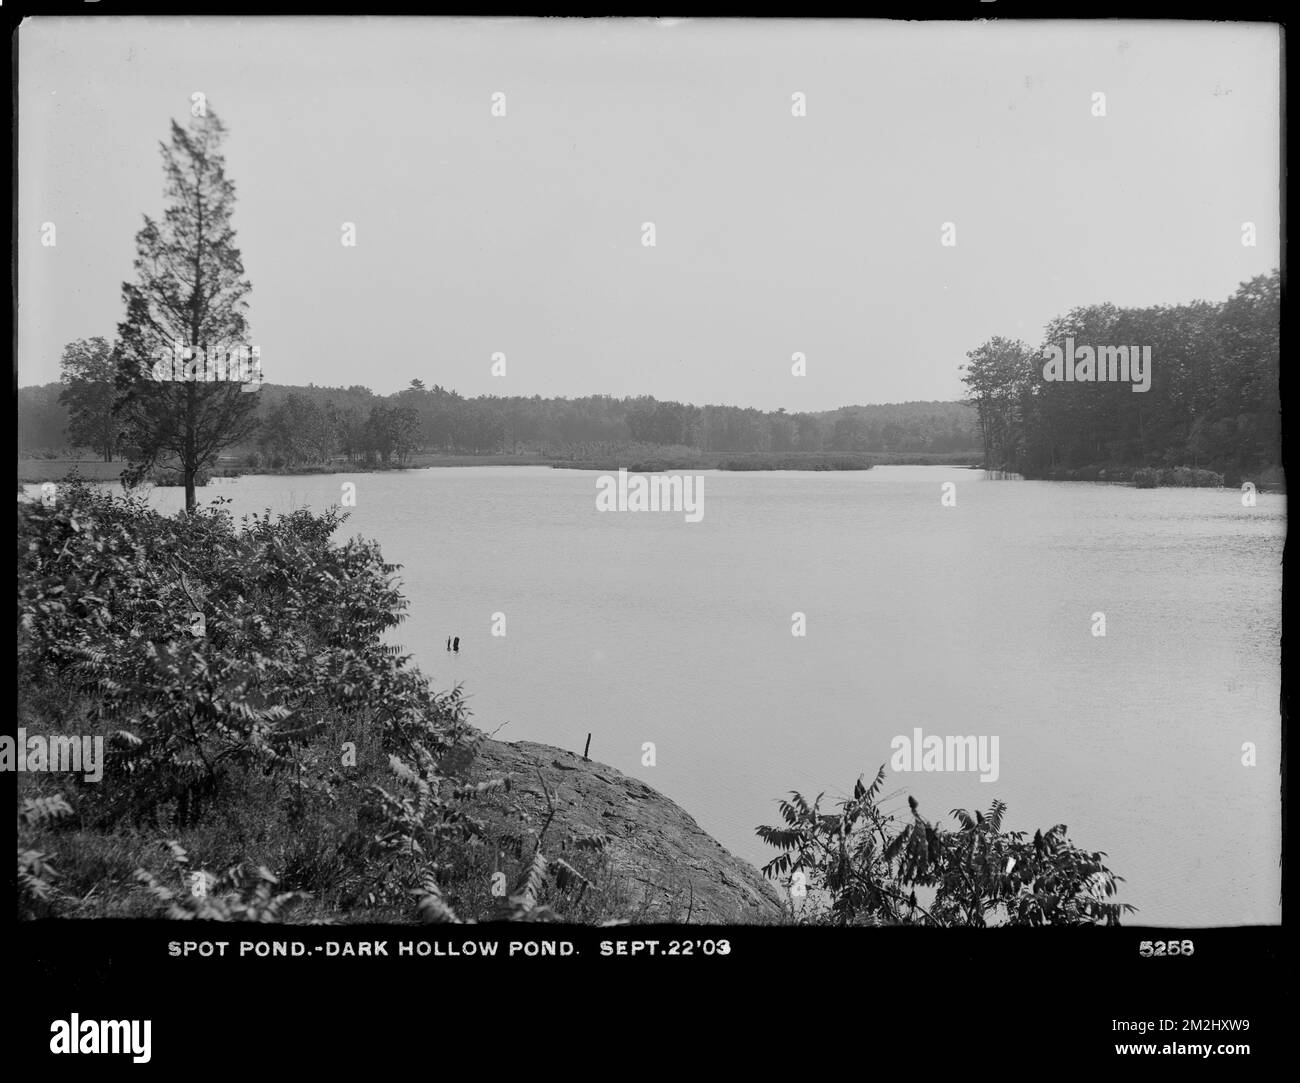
<point>587,749</point>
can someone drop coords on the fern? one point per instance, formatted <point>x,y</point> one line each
<point>240,893</point>
<point>432,908</point>
<point>534,880</point>
<point>39,811</point>
<point>37,893</point>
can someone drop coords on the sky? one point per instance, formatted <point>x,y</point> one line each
<point>775,234</point>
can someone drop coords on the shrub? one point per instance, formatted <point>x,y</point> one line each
<point>212,657</point>
<point>861,868</point>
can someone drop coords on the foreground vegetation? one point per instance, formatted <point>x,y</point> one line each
<point>265,750</point>
<point>858,866</point>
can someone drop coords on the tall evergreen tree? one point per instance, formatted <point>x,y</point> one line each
<point>187,309</point>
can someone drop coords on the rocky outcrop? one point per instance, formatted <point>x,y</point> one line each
<point>660,861</point>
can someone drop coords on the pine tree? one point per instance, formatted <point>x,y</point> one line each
<point>185,311</point>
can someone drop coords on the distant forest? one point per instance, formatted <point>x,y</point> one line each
<point>1213,401</point>
<point>304,426</point>
<point>1212,405</point>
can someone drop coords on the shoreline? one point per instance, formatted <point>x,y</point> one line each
<point>38,471</point>
<point>32,471</point>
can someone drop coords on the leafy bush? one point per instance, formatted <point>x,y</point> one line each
<point>859,867</point>
<point>217,659</point>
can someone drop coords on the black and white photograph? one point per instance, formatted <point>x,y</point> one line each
<point>624,492</point>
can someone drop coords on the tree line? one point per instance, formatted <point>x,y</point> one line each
<point>304,426</point>
<point>1212,403</point>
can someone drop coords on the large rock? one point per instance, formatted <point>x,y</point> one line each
<point>667,867</point>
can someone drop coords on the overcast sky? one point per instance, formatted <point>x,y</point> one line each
<point>774,233</point>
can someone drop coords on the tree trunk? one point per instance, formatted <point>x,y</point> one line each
<point>189,464</point>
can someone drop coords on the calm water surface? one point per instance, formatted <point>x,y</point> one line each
<point>967,620</point>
